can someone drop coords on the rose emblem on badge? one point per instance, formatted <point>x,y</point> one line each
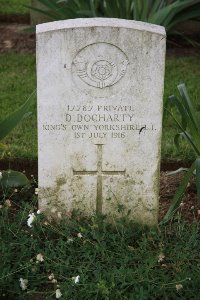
<point>100,65</point>
<point>102,69</point>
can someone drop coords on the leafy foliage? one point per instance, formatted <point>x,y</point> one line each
<point>13,119</point>
<point>12,178</point>
<point>190,131</point>
<point>161,12</point>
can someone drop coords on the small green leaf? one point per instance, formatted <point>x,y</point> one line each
<point>13,179</point>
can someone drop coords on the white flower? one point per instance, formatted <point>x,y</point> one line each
<point>40,257</point>
<point>54,280</point>
<point>161,257</point>
<point>15,190</point>
<point>79,235</point>
<point>36,191</point>
<point>51,276</point>
<point>1,175</point>
<point>31,218</point>
<point>70,240</point>
<point>7,203</point>
<point>38,211</point>
<point>58,294</point>
<point>76,279</point>
<point>23,283</point>
<point>179,287</point>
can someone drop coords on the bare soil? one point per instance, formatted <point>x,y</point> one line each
<point>20,38</point>
<point>14,37</point>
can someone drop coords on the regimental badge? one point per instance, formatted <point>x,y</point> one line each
<point>100,65</point>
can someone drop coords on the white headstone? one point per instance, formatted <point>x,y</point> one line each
<point>100,89</point>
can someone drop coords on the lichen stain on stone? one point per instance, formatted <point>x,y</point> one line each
<point>60,181</point>
<point>79,159</point>
<point>49,197</point>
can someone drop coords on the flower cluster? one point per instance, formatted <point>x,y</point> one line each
<point>39,258</point>
<point>23,283</point>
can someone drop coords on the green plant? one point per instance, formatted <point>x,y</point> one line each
<point>13,178</point>
<point>189,125</point>
<point>124,261</point>
<point>13,119</point>
<point>18,78</point>
<point>161,12</point>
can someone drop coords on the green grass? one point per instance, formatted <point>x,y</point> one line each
<point>18,80</point>
<point>118,261</point>
<point>179,70</point>
<point>14,7</point>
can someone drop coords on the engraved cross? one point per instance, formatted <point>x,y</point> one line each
<point>99,173</point>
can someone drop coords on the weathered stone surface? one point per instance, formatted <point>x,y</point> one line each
<point>100,89</point>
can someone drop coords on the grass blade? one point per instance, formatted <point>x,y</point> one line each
<point>188,104</point>
<point>197,165</point>
<point>12,120</point>
<point>179,194</point>
<point>187,136</point>
<point>145,10</point>
<point>180,135</point>
<point>179,106</point>
<point>187,14</point>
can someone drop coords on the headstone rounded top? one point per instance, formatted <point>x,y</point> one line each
<point>100,22</point>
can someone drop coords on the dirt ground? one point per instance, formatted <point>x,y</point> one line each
<point>20,38</point>
<point>14,37</point>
